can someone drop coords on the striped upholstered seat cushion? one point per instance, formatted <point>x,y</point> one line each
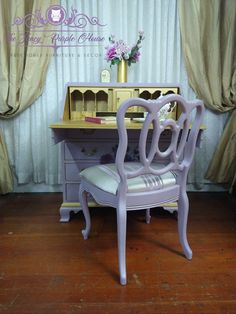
<point>106,178</point>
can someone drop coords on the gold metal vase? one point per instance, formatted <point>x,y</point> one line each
<point>122,69</point>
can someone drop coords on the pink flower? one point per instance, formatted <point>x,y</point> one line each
<point>136,56</point>
<point>119,50</point>
<point>110,53</point>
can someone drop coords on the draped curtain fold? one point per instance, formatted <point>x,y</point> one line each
<point>223,166</point>
<point>6,180</point>
<point>208,31</point>
<point>23,65</point>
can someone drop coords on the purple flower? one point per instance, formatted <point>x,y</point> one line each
<point>136,56</point>
<point>110,53</point>
<point>119,50</point>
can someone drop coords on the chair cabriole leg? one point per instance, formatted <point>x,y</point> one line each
<point>84,206</point>
<point>183,208</point>
<point>148,216</point>
<point>121,237</point>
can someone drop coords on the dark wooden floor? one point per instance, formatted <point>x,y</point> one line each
<point>46,266</point>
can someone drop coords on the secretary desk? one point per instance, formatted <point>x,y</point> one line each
<point>84,144</point>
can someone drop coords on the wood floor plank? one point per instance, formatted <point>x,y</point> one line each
<point>47,267</point>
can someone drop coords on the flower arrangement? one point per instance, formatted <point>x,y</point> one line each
<point>119,50</point>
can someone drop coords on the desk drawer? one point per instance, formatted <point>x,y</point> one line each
<point>71,192</point>
<point>76,150</point>
<point>73,169</point>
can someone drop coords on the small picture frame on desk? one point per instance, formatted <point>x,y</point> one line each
<point>105,76</point>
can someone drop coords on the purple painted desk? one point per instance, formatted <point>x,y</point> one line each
<point>84,144</point>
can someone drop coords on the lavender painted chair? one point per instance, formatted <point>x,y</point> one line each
<point>160,175</point>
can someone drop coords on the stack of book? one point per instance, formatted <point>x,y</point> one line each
<point>103,120</point>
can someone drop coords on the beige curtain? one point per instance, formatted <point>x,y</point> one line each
<point>225,155</point>
<point>6,180</point>
<point>23,63</point>
<point>208,33</point>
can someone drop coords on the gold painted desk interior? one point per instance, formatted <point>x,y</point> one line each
<point>104,99</point>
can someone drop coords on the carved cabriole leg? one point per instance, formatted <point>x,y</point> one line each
<point>183,208</point>
<point>84,205</point>
<point>65,212</point>
<point>121,237</point>
<point>148,216</point>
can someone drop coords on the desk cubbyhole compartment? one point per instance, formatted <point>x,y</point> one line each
<point>145,95</point>
<point>76,104</point>
<point>156,94</point>
<point>149,94</point>
<point>168,91</point>
<point>89,101</point>
<point>102,101</point>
